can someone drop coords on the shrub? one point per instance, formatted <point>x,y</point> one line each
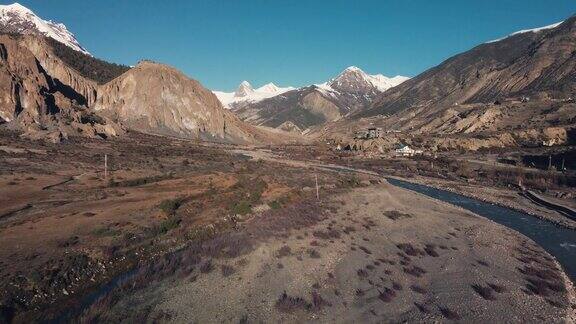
<point>394,214</point>
<point>362,273</point>
<point>387,295</point>
<point>275,204</point>
<point>349,229</point>
<point>169,206</point>
<point>414,271</point>
<point>449,314</point>
<point>418,289</point>
<point>140,181</point>
<point>88,66</point>
<point>227,270</point>
<point>430,250</point>
<point>365,250</point>
<point>422,308</point>
<point>105,231</point>
<point>326,235</point>
<point>485,292</point>
<point>409,249</point>
<point>314,254</point>
<point>318,302</point>
<point>284,251</point>
<point>206,266</point>
<point>243,207</point>
<point>166,225</point>
<point>289,304</point>
<point>497,288</point>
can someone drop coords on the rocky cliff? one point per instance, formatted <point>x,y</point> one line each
<point>44,98</point>
<point>156,98</point>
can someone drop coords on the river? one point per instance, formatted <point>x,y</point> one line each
<point>558,241</point>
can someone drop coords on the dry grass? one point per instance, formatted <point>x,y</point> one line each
<point>485,291</point>
<point>313,253</point>
<point>414,271</point>
<point>386,295</point>
<point>449,314</point>
<point>409,249</point>
<point>418,289</point>
<point>430,249</point>
<point>395,215</point>
<point>288,304</point>
<point>284,251</point>
<point>227,270</point>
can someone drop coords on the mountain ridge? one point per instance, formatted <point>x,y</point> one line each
<point>17,19</point>
<point>518,91</point>
<point>246,94</point>
<point>317,104</point>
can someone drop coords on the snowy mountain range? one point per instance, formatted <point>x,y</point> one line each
<point>352,80</point>
<point>17,19</point>
<point>245,94</point>
<point>533,30</point>
<point>317,104</point>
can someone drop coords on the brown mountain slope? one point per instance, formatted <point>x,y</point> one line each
<point>44,95</point>
<point>306,107</point>
<point>532,63</point>
<point>519,88</point>
<point>156,98</point>
<point>518,91</point>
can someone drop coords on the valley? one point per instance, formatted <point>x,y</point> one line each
<point>135,193</point>
<point>226,217</point>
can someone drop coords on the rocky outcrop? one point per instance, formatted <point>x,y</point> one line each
<point>39,104</point>
<point>46,98</point>
<point>316,103</point>
<point>159,99</point>
<point>20,81</point>
<point>60,71</point>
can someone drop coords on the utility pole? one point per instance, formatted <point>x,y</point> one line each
<point>317,189</point>
<point>549,162</point>
<point>562,165</point>
<point>105,166</point>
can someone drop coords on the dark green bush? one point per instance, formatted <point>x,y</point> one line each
<point>88,66</point>
<point>242,207</point>
<point>169,206</point>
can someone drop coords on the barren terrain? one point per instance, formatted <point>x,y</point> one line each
<point>382,254</point>
<point>215,233</point>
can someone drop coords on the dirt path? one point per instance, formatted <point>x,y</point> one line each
<point>383,254</point>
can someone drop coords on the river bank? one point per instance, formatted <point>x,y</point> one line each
<point>507,198</point>
<point>381,254</point>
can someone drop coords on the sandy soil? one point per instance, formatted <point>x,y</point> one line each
<point>383,255</point>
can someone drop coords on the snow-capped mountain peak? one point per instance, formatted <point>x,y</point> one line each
<point>16,18</point>
<point>383,83</point>
<point>269,87</point>
<point>354,79</point>
<point>353,69</point>
<point>533,30</point>
<point>245,93</point>
<point>16,7</point>
<point>244,89</point>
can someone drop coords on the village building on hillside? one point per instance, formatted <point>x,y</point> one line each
<point>405,150</point>
<point>370,133</point>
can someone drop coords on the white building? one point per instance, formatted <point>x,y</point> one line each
<point>405,150</point>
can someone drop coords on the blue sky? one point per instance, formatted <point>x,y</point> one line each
<point>221,42</point>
